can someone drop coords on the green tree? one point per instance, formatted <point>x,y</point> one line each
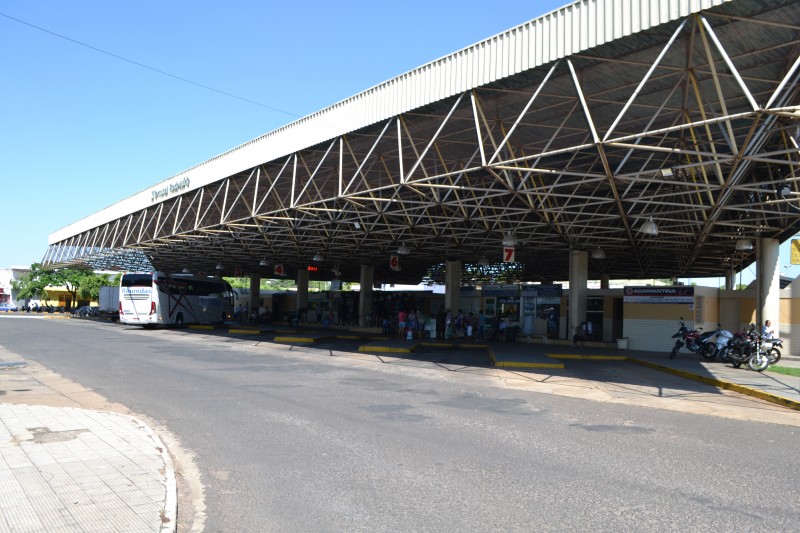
<point>266,284</point>
<point>89,285</point>
<point>79,283</point>
<point>33,284</point>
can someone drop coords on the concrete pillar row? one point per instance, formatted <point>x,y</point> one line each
<point>302,291</point>
<point>768,280</point>
<point>365,296</point>
<point>578,288</point>
<point>730,279</point>
<point>254,302</point>
<point>452,288</point>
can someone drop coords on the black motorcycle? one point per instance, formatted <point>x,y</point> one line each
<point>747,348</point>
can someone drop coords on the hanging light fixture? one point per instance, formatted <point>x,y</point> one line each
<point>220,267</point>
<point>509,240</point>
<point>744,245</point>
<point>263,263</point>
<point>186,270</point>
<point>598,253</point>
<point>649,227</point>
<point>403,249</point>
<point>483,262</point>
<point>318,257</point>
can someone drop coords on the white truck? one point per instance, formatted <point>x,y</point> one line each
<point>109,301</point>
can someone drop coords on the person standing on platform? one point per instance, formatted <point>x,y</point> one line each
<point>401,323</point>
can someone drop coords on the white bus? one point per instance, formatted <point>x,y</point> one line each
<point>156,298</point>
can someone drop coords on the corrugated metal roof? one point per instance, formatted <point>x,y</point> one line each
<point>566,31</point>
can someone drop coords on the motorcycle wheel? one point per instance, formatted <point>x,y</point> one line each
<point>674,352</point>
<point>709,352</point>
<point>736,364</point>
<point>774,355</point>
<point>758,361</point>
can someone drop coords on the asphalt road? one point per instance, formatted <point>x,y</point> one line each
<point>300,440</point>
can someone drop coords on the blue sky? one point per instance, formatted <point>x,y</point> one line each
<point>83,129</point>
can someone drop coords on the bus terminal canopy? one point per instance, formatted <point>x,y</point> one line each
<point>653,135</point>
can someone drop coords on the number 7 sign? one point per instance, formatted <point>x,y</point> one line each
<point>508,254</point>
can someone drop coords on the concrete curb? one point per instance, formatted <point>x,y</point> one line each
<point>718,383</point>
<point>721,384</point>
<point>169,518</point>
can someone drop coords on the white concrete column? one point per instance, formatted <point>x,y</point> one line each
<point>255,296</point>
<point>302,291</point>
<point>452,287</point>
<point>768,270</point>
<point>730,279</point>
<point>578,288</point>
<point>365,296</point>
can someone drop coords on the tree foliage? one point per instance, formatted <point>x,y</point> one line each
<point>83,284</point>
<point>266,284</point>
<point>33,284</point>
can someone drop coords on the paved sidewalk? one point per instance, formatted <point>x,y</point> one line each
<point>77,470</point>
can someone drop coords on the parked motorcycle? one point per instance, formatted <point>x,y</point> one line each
<point>747,348</point>
<point>691,339</point>
<point>772,348</point>
<point>717,345</point>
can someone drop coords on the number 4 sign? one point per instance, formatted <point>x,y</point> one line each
<point>508,254</point>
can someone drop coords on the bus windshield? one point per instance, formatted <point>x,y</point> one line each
<point>136,280</point>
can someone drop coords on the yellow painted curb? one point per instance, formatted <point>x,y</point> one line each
<point>433,344</point>
<point>295,339</point>
<point>588,357</point>
<point>518,364</point>
<point>200,326</point>
<point>385,349</point>
<point>523,364</point>
<point>244,331</point>
<point>720,384</point>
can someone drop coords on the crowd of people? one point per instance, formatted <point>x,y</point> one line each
<point>413,324</point>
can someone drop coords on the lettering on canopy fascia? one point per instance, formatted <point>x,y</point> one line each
<point>169,189</point>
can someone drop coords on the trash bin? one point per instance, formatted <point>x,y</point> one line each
<point>622,344</point>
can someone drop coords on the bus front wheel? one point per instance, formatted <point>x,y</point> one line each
<point>179,320</point>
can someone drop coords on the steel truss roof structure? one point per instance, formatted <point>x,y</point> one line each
<point>693,123</point>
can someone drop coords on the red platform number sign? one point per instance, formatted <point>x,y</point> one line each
<point>279,270</point>
<point>508,254</point>
<point>394,262</point>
